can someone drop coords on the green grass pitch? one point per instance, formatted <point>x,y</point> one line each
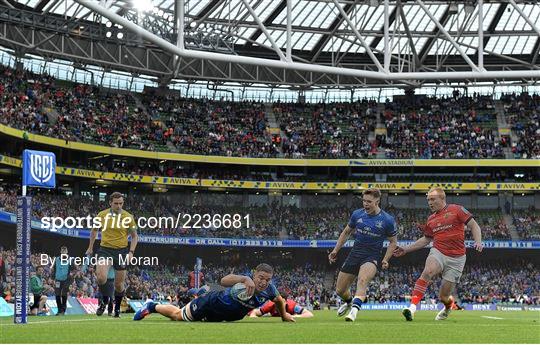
<point>325,327</point>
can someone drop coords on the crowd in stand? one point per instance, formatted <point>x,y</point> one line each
<point>270,221</point>
<point>83,284</point>
<point>527,224</point>
<point>501,282</point>
<point>523,115</point>
<point>40,104</point>
<point>506,281</point>
<point>416,127</point>
<point>213,127</point>
<point>441,128</point>
<point>163,282</point>
<point>335,130</point>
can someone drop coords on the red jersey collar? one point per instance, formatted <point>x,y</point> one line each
<point>442,209</point>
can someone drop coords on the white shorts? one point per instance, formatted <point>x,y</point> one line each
<point>452,267</point>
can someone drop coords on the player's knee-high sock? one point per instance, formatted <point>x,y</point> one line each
<point>357,302</point>
<point>347,300</point>
<point>448,303</point>
<point>104,296</point>
<point>59,303</point>
<point>152,307</point>
<point>418,292</point>
<point>105,299</point>
<point>64,303</point>
<point>118,296</point>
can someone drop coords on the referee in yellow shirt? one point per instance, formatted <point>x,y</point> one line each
<point>116,226</point>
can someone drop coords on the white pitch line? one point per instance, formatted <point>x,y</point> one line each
<point>55,321</point>
<point>493,317</point>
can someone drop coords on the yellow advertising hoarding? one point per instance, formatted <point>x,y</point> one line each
<point>265,185</point>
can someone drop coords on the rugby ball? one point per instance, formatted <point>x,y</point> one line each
<point>239,292</point>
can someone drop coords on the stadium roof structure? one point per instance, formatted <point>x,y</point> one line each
<point>299,43</point>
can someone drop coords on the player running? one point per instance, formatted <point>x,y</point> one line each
<point>216,306</point>
<point>116,226</point>
<point>291,307</point>
<point>370,227</point>
<point>446,227</point>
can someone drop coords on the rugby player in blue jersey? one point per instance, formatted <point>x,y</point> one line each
<point>216,306</point>
<point>370,226</point>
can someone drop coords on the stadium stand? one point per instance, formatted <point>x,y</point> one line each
<point>439,128</point>
<point>527,224</point>
<point>523,114</point>
<point>335,130</point>
<point>511,281</point>
<point>432,128</point>
<point>270,221</point>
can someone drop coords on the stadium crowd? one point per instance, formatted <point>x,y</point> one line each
<point>334,130</point>
<point>441,128</point>
<point>501,281</point>
<point>213,127</point>
<point>164,282</point>
<point>523,115</point>
<point>527,224</point>
<point>416,127</point>
<point>270,221</point>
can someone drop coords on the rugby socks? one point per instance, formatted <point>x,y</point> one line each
<point>449,303</point>
<point>348,300</point>
<point>105,300</point>
<point>357,303</point>
<point>103,290</point>
<point>59,303</point>
<point>418,292</point>
<point>118,300</point>
<point>152,306</point>
<point>64,303</point>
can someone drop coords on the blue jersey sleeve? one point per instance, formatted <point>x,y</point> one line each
<point>391,229</point>
<point>353,219</point>
<point>272,292</point>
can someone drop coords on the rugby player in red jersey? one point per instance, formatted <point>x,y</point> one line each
<point>291,307</point>
<point>446,228</point>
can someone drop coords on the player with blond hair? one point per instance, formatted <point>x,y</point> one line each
<point>446,228</point>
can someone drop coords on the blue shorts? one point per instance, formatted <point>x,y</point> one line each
<point>207,308</point>
<point>355,260</point>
